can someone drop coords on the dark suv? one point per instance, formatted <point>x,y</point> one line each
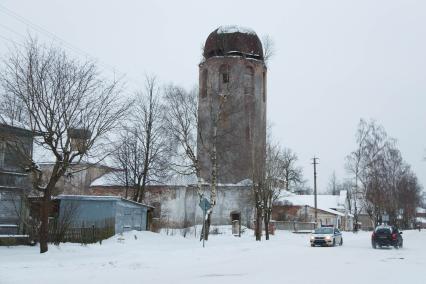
<point>385,235</point>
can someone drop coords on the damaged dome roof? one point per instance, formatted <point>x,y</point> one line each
<point>233,40</point>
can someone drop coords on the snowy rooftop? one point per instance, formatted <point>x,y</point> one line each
<point>234,29</point>
<point>421,210</point>
<point>108,179</point>
<point>4,119</point>
<point>323,201</point>
<point>328,203</point>
<point>111,179</point>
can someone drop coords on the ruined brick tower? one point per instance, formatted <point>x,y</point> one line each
<point>232,104</point>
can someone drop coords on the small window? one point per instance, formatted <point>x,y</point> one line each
<point>249,80</point>
<point>223,77</point>
<point>203,88</point>
<point>264,87</point>
<point>248,134</point>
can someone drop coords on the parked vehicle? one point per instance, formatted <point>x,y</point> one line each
<point>385,235</point>
<point>326,236</point>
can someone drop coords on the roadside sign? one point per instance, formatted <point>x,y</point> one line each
<point>205,204</point>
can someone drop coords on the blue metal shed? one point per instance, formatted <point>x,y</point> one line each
<point>93,210</point>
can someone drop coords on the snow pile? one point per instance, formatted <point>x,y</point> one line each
<point>229,29</point>
<point>145,257</point>
<point>195,231</point>
<point>421,220</point>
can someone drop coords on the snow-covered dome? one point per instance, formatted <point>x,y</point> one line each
<point>233,40</point>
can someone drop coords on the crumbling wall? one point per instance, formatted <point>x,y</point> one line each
<point>179,205</point>
<point>242,126</point>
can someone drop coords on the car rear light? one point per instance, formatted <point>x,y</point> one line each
<point>373,235</point>
<point>394,236</point>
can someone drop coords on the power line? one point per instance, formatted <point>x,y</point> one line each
<point>11,30</point>
<point>11,40</point>
<point>40,29</point>
<point>66,44</point>
<point>315,163</point>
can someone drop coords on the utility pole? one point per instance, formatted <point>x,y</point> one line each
<point>315,163</point>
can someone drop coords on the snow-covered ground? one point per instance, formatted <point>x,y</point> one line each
<point>144,257</point>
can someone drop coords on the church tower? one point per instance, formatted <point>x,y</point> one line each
<point>232,105</point>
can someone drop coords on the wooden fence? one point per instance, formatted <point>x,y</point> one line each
<point>84,233</point>
<point>294,226</point>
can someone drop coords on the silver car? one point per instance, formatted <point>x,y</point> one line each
<point>326,236</point>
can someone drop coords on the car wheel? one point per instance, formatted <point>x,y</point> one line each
<point>373,244</point>
<point>341,241</point>
<point>312,245</point>
<point>334,242</point>
<point>401,244</point>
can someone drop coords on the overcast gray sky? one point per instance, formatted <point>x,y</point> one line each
<point>336,61</point>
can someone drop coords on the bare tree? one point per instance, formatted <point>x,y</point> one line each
<point>182,126</point>
<point>275,174</point>
<point>151,130</point>
<point>61,225</point>
<point>293,175</point>
<point>333,186</point>
<point>13,108</point>
<point>216,139</point>
<point>216,115</point>
<point>303,188</point>
<point>69,106</point>
<point>354,166</point>
<point>126,156</point>
<point>142,147</point>
<point>187,134</point>
<point>268,48</point>
<point>381,177</point>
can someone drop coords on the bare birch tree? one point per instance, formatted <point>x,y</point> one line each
<point>382,178</point>
<point>293,174</point>
<point>126,156</point>
<point>143,148</point>
<point>13,108</point>
<point>354,166</point>
<point>182,126</point>
<point>275,174</point>
<point>70,107</point>
<point>268,48</point>
<point>333,186</point>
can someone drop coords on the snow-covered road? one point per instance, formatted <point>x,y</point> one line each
<point>154,258</point>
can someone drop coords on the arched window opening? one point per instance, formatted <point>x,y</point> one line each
<point>264,87</point>
<point>223,77</point>
<point>249,80</point>
<point>204,77</point>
